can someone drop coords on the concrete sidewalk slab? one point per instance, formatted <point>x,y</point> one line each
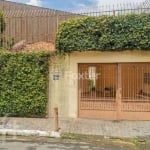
<point>81,126</point>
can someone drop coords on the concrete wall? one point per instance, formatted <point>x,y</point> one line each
<point>63,93</point>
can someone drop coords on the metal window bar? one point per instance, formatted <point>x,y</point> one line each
<point>134,86</point>
<point>102,97</point>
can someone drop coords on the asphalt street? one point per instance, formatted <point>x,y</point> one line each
<point>54,146</point>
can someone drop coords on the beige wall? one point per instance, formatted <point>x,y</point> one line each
<point>63,93</point>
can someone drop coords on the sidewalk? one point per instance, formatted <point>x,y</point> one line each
<point>129,129</point>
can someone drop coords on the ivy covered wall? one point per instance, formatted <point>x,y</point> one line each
<point>23,83</point>
<point>105,33</point>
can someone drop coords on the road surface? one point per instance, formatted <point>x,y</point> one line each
<point>54,146</point>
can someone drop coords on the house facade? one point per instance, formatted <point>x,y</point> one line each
<point>102,85</point>
<point>88,84</point>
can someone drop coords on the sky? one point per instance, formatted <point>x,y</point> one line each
<point>73,4</point>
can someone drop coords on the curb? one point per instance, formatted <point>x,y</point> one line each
<point>15,132</point>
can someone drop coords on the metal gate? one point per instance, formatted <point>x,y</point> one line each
<point>114,91</point>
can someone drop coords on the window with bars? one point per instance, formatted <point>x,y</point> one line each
<point>101,82</point>
<point>135,81</point>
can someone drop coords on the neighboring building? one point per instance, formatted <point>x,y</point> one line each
<point>31,23</point>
